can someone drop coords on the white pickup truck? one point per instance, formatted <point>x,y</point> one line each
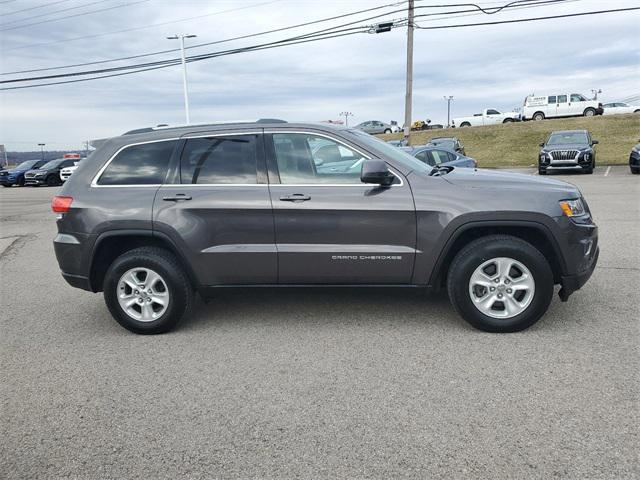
<point>489,116</point>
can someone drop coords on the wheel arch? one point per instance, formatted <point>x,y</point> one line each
<point>537,234</point>
<point>110,245</point>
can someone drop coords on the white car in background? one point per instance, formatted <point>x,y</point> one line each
<point>620,107</point>
<point>489,116</point>
<point>539,107</point>
<point>66,172</point>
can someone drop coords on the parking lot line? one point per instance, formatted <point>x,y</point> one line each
<point>608,170</point>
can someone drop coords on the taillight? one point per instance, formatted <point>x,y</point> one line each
<point>61,204</point>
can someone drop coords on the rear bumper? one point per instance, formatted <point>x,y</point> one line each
<point>77,281</point>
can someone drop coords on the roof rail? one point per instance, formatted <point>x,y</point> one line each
<point>164,126</point>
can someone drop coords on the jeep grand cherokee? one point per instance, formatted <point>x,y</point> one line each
<point>162,213</point>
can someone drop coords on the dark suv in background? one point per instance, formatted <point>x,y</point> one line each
<point>165,212</point>
<point>567,150</point>
<point>49,173</point>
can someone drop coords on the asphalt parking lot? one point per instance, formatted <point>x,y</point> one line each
<point>319,383</point>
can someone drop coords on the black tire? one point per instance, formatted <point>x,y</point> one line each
<point>588,170</point>
<point>507,120</point>
<point>634,171</point>
<point>6,186</point>
<point>52,181</point>
<point>538,116</point>
<point>486,248</point>
<point>20,182</point>
<point>589,112</point>
<point>542,171</point>
<point>465,124</point>
<point>167,266</point>
<point>387,131</point>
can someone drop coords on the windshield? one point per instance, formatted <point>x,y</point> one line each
<point>26,165</point>
<point>392,152</point>
<point>444,143</point>
<point>52,164</point>
<point>567,138</point>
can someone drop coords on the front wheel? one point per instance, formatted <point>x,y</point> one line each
<point>507,120</point>
<point>147,291</point>
<point>387,131</point>
<point>465,124</point>
<point>500,283</point>
<point>52,181</point>
<point>589,112</point>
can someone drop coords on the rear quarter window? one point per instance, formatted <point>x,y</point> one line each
<point>143,164</point>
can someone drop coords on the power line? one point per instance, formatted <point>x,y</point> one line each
<point>500,22</point>
<point>34,8</point>
<point>113,7</point>
<point>293,40</point>
<point>175,63</point>
<point>141,27</point>
<point>515,4</point>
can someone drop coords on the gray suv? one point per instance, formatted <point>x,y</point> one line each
<point>160,214</point>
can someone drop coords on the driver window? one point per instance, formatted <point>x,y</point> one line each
<point>311,159</point>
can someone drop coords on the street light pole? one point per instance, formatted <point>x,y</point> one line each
<point>409,86</point>
<point>41,145</point>
<point>448,99</point>
<point>346,116</point>
<point>181,37</point>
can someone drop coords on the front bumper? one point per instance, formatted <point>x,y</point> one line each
<point>35,181</point>
<point>7,181</point>
<point>571,283</point>
<point>634,160</point>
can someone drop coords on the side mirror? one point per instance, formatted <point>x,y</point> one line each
<point>542,144</point>
<point>594,142</point>
<point>376,171</point>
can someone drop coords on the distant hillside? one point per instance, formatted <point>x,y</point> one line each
<point>517,144</point>
<point>17,157</point>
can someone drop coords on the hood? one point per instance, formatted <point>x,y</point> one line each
<point>567,146</point>
<point>37,170</point>
<point>493,179</point>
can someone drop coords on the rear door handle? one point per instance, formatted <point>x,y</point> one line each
<point>176,197</point>
<point>295,197</point>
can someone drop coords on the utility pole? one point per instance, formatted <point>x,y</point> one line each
<point>346,116</point>
<point>409,88</point>
<point>448,99</point>
<point>181,37</point>
<point>41,145</point>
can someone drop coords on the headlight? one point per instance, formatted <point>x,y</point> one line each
<point>572,208</point>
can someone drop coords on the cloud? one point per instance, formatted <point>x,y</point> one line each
<point>492,66</point>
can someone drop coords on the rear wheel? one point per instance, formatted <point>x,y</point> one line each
<point>500,283</point>
<point>465,124</point>
<point>538,116</point>
<point>147,291</point>
<point>589,112</point>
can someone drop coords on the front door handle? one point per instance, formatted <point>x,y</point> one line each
<point>295,197</point>
<point>176,197</point>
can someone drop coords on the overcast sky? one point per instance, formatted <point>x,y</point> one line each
<point>489,66</point>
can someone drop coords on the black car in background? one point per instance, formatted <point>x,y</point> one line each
<point>634,159</point>
<point>49,173</point>
<point>567,150</point>
<point>436,157</point>
<point>448,143</point>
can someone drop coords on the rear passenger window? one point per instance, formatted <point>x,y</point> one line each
<point>562,99</point>
<point>215,160</point>
<point>144,164</point>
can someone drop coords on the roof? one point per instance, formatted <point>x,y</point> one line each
<point>570,131</point>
